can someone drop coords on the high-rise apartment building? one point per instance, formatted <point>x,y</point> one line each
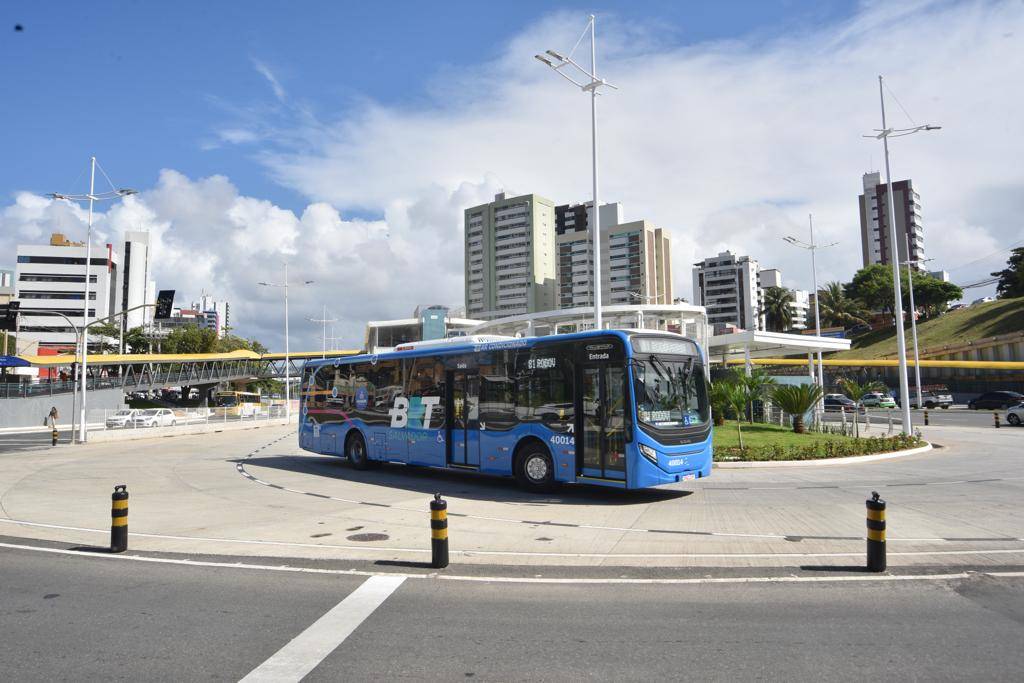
<point>50,281</point>
<point>510,256</point>
<point>218,311</point>
<point>874,228</point>
<point>798,307</point>
<point>727,286</point>
<point>135,278</point>
<point>635,258</point>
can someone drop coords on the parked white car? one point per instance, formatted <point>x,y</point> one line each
<point>122,418</point>
<point>877,399</point>
<point>1015,415</point>
<point>155,417</point>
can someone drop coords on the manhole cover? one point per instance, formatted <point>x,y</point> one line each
<point>367,537</point>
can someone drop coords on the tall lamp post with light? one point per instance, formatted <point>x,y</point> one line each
<point>92,197</point>
<point>883,134</point>
<point>813,247</point>
<point>913,320</point>
<point>558,62</point>
<point>287,360</point>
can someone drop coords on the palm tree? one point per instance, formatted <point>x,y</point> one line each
<point>839,310</point>
<point>795,400</point>
<point>755,387</point>
<point>856,392</point>
<point>719,397</point>
<point>778,311</point>
<point>736,397</point>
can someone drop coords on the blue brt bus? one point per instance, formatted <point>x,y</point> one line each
<point>626,409</point>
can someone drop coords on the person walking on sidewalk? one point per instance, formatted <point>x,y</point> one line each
<point>51,418</point>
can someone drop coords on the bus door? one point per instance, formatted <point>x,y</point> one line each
<point>601,422</point>
<point>463,412</point>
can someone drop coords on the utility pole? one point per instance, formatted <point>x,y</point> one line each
<point>323,320</point>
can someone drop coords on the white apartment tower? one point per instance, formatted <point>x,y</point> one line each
<point>635,258</point>
<point>510,257</point>
<point>728,287</point>
<point>136,274</point>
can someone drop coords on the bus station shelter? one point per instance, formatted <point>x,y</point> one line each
<point>743,347</point>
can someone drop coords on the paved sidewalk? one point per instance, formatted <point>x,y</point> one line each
<point>256,494</point>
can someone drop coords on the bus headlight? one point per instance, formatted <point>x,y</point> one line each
<point>649,453</point>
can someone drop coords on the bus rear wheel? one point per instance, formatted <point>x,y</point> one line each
<point>535,470</point>
<point>355,449</point>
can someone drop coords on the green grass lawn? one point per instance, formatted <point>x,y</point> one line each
<point>757,435</point>
<point>772,442</point>
<point>991,319</point>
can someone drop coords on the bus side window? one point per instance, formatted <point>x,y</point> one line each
<point>544,383</point>
<point>498,393</point>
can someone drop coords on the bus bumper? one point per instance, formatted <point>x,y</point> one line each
<point>674,465</point>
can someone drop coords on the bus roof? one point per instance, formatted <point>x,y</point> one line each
<point>479,343</point>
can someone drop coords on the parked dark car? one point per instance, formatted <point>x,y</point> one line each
<point>837,403</point>
<point>994,400</point>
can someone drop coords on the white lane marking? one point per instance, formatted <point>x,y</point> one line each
<point>306,650</point>
<point>517,579</point>
<point>520,553</point>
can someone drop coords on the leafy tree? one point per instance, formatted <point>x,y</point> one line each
<point>190,339</point>
<point>931,294</point>
<point>777,310</point>
<point>1011,278</point>
<point>795,400</point>
<point>856,392</point>
<point>872,287</point>
<point>839,310</point>
<point>109,336</point>
<point>233,343</point>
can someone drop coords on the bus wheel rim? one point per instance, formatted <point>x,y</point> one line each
<point>536,468</point>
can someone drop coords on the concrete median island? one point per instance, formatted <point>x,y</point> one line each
<point>765,442</point>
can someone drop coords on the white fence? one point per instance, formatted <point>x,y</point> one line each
<point>152,418</point>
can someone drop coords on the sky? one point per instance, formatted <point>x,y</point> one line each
<point>348,137</point>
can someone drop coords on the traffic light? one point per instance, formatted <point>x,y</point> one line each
<point>9,316</point>
<point>164,304</point>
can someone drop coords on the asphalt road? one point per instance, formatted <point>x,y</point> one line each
<point>82,618</point>
<point>31,440</point>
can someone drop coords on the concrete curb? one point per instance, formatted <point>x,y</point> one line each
<point>822,461</point>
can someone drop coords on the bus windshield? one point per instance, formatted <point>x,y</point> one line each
<point>670,392</point>
<point>225,400</point>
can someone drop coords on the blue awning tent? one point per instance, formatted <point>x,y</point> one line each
<point>13,362</point>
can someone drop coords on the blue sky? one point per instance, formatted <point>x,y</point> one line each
<point>349,137</point>
<point>144,85</point>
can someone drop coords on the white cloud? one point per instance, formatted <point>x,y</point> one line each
<point>727,144</point>
<point>275,84</point>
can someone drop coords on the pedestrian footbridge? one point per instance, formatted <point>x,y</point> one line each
<point>145,372</point>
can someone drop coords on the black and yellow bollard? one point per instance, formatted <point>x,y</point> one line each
<point>438,532</point>
<point>119,519</point>
<point>876,533</point>
<point>925,417</point>
<point>54,436</point>
<point>995,418</point>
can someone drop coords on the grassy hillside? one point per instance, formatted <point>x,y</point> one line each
<point>992,319</point>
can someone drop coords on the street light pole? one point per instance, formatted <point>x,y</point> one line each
<point>324,320</point>
<point>92,197</point>
<point>813,247</point>
<point>897,288</point>
<point>884,133</point>
<point>287,350</point>
<point>558,61</point>
<point>909,263</point>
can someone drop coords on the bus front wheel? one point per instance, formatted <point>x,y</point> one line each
<point>355,449</point>
<point>535,469</point>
